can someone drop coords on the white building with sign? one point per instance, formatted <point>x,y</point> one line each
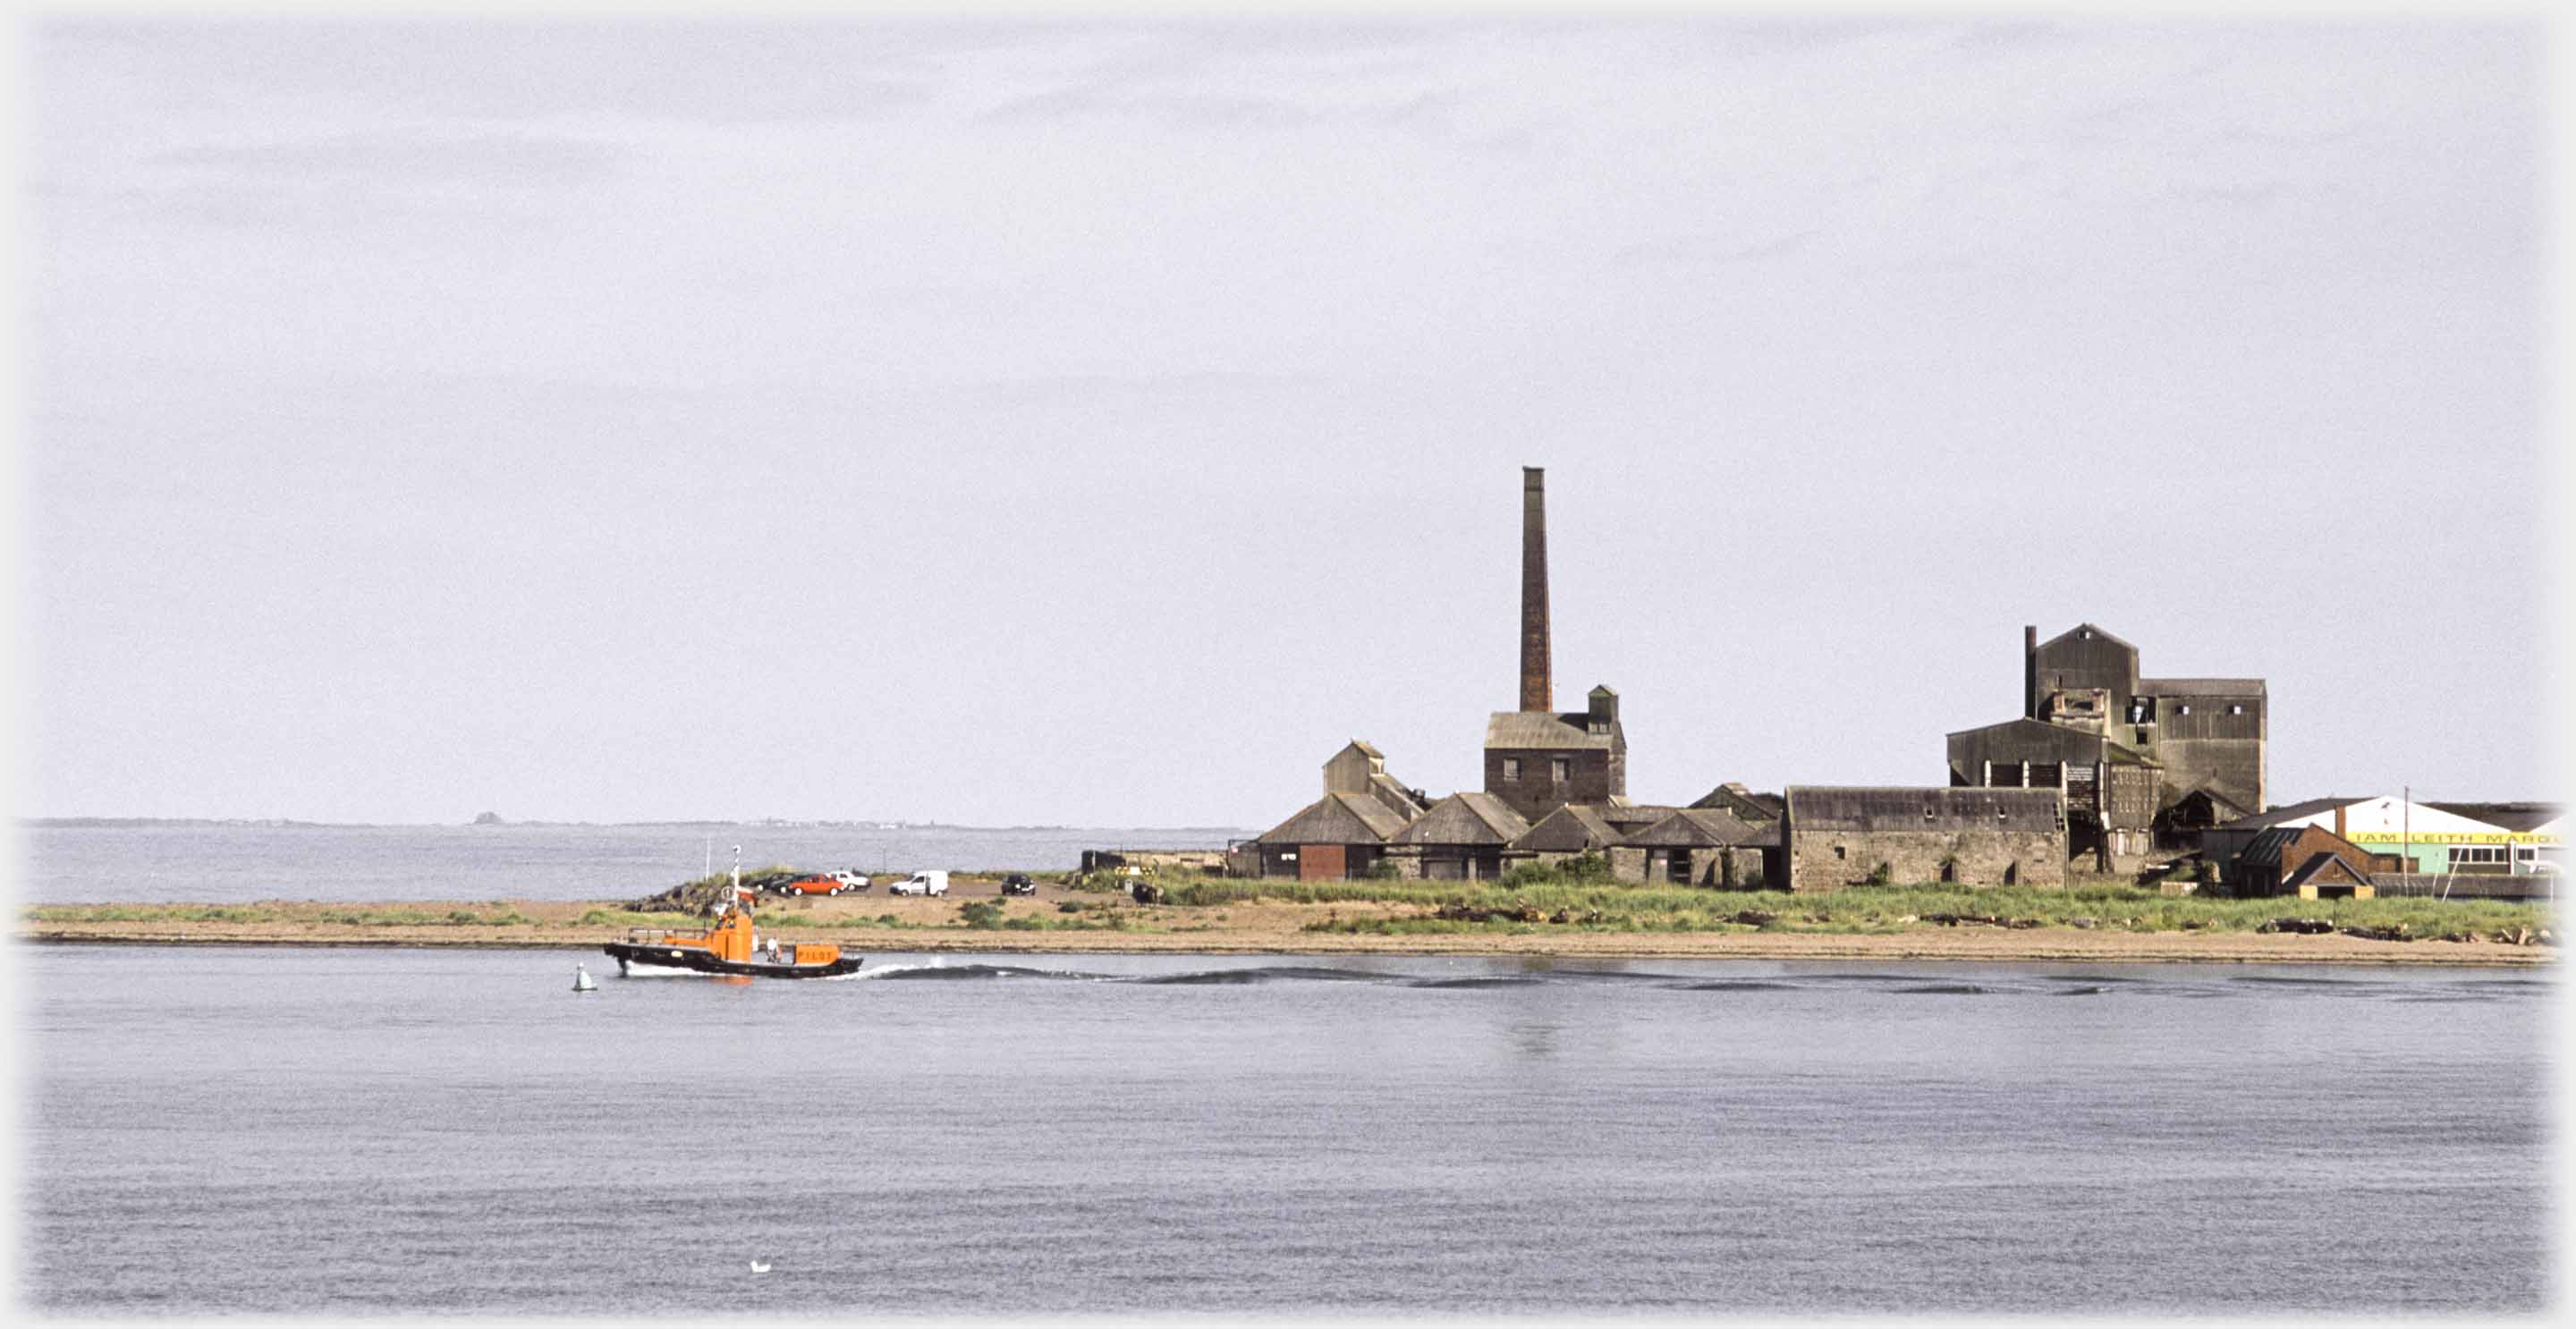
<point>2432,840</point>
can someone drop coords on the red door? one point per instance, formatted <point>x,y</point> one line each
<point>1323,862</point>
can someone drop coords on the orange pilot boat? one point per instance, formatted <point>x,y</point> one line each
<point>728,947</point>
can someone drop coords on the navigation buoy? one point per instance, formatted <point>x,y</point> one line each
<point>581,981</point>
<point>760,1266</point>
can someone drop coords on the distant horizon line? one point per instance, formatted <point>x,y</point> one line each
<point>789,823</point>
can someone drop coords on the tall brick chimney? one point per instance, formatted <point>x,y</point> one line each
<point>1536,692</point>
<point>2030,671</point>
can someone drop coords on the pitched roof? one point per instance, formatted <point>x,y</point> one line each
<point>2317,863</point>
<point>2077,631</point>
<point>1901,808</point>
<point>2200,687</point>
<point>1391,792</point>
<point>2264,850</point>
<point>1629,816</point>
<point>2510,816</point>
<point>1527,730</point>
<point>1472,817</point>
<point>2220,805</point>
<point>2293,812</point>
<point>2120,756</point>
<point>1570,829</point>
<point>1743,802</point>
<point>1338,819</point>
<point>1366,747</point>
<point>1695,828</point>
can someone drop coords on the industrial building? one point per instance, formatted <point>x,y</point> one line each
<point>2428,839</point>
<point>1839,837</point>
<point>2142,762</point>
<point>1556,786</point>
<point>1537,760</point>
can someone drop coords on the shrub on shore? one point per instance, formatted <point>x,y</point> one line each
<point>1603,906</point>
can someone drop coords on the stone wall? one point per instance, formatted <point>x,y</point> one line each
<point>1592,777</point>
<point>1830,860</point>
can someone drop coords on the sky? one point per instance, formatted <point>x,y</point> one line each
<point>1102,422</point>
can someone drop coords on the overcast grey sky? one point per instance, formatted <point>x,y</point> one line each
<point>1103,422</point>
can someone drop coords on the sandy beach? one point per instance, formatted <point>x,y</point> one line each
<point>1265,927</point>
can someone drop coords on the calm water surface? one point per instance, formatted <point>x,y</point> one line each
<point>243,1130</point>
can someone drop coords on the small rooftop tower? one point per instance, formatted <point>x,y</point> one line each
<point>1536,692</point>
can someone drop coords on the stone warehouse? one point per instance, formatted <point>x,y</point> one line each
<point>1841,837</point>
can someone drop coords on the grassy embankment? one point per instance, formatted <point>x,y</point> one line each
<point>1527,903</point>
<point>1537,902</point>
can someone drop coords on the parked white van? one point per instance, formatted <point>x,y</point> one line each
<point>921,883</point>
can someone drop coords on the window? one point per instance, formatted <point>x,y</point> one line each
<point>2186,708</point>
<point>2464,855</point>
<point>2235,710</point>
<point>1560,769</point>
<point>2141,709</point>
<point>1511,768</point>
<point>1838,851</point>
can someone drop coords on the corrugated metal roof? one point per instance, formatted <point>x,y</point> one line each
<point>1896,808</point>
<point>2200,687</point>
<point>2264,850</point>
<point>1543,730</point>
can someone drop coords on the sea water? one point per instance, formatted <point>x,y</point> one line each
<point>368,1130</point>
<point>231,863</point>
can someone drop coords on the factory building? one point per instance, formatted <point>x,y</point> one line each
<point>2204,733</point>
<point>1537,760</point>
<point>2144,764</point>
<point>1837,837</point>
<point>2110,789</point>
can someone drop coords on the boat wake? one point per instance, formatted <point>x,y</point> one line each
<point>1824,982</point>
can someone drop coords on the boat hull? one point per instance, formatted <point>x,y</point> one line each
<point>635,960</point>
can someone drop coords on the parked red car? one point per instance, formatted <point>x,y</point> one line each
<point>817,883</point>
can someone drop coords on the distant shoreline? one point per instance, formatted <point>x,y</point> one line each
<point>1268,928</point>
<point>758,823</point>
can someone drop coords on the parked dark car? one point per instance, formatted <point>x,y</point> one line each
<point>1018,883</point>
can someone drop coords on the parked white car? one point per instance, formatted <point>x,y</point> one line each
<point>921,883</point>
<point>850,881</point>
